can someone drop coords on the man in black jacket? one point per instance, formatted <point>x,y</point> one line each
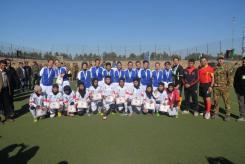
<point>239,85</point>
<point>28,75</point>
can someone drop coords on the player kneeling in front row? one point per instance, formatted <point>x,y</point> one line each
<point>161,96</point>
<point>36,103</point>
<point>69,101</point>
<point>149,101</point>
<point>122,98</point>
<point>82,99</point>
<point>55,101</point>
<point>173,100</point>
<point>108,97</point>
<point>95,94</point>
<point>136,97</point>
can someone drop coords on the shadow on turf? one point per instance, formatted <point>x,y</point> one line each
<point>63,162</point>
<point>23,110</point>
<point>218,160</point>
<point>23,155</point>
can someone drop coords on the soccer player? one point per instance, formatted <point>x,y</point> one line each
<point>145,75</point>
<point>36,103</point>
<point>55,101</point>
<point>173,100</point>
<point>61,73</point>
<point>82,95</point>
<point>167,74</point>
<point>157,76</point>
<point>108,72</point>
<point>84,75</point>
<point>161,97</point>
<point>130,74</point>
<point>97,72</point>
<point>118,73</point>
<point>47,75</point>
<point>149,99</point>
<point>69,100</point>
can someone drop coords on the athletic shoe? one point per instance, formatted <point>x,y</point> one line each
<point>207,116</point>
<point>104,118</point>
<point>241,119</point>
<point>185,112</point>
<point>196,114</point>
<point>35,120</point>
<point>59,114</point>
<point>158,114</point>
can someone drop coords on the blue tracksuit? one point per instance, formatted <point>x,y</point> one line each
<point>97,72</point>
<point>85,77</point>
<point>62,70</point>
<point>157,77</point>
<point>118,74</point>
<point>47,75</point>
<point>129,75</point>
<point>145,77</point>
<point>109,73</point>
<point>167,76</point>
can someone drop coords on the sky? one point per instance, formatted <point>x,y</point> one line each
<point>100,25</point>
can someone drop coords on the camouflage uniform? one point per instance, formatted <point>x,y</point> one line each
<point>222,82</point>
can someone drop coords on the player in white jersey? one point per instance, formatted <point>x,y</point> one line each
<point>82,99</point>
<point>36,103</point>
<point>95,94</point>
<point>161,98</point>
<point>136,97</point>
<point>69,100</point>
<point>55,101</point>
<point>108,97</point>
<point>122,97</point>
<point>149,100</point>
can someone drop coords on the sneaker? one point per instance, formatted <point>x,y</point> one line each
<point>201,114</point>
<point>207,116</point>
<point>241,119</point>
<point>176,116</point>
<point>59,114</point>
<point>196,114</point>
<point>158,114</point>
<point>185,112</point>
<point>227,118</point>
<point>130,114</point>
<point>104,118</point>
<point>35,120</point>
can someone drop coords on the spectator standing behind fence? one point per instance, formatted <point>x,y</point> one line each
<point>28,75</point>
<point>35,74</point>
<point>12,71</point>
<point>21,75</point>
<point>239,85</point>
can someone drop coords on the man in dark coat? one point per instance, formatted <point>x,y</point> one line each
<point>6,92</point>
<point>28,75</point>
<point>239,85</point>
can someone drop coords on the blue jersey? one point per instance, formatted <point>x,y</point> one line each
<point>85,77</point>
<point>137,71</point>
<point>167,76</point>
<point>47,76</point>
<point>109,73</point>
<point>145,77</point>
<point>97,72</point>
<point>130,75</point>
<point>118,74</point>
<point>157,77</point>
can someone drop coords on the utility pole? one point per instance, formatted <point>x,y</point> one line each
<point>233,23</point>
<point>220,47</point>
<point>207,49</point>
<point>243,39</point>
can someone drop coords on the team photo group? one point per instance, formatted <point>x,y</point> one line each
<point>104,90</point>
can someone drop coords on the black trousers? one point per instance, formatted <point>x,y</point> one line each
<point>191,93</point>
<point>6,103</point>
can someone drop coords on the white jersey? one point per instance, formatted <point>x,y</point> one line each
<point>68,99</point>
<point>55,98</point>
<point>122,91</point>
<point>147,99</point>
<point>36,100</point>
<point>108,90</point>
<point>79,97</point>
<point>161,97</point>
<point>136,92</point>
<point>93,90</point>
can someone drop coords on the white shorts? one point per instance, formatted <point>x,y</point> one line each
<point>46,89</point>
<point>129,84</point>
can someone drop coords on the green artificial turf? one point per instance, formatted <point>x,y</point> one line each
<point>120,140</point>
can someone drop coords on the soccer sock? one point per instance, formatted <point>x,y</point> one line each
<point>208,106</point>
<point>180,101</point>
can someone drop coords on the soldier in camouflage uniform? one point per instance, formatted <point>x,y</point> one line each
<point>222,82</point>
